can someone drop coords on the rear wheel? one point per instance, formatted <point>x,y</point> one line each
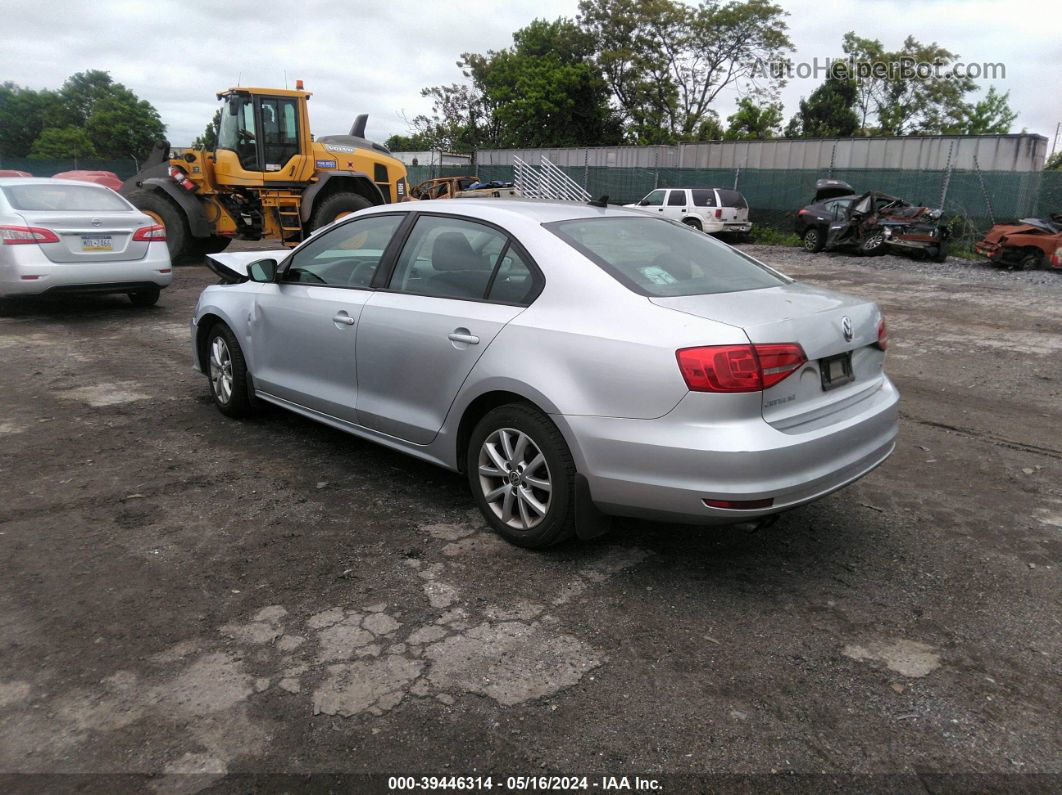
<point>332,208</point>
<point>814,240</point>
<point>146,297</point>
<point>228,372</point>
<point>522,476</point>
<point>165,213</point>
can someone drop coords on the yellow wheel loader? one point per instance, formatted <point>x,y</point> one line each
<point>266,178</point>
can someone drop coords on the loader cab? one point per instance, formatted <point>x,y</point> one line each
<point>263,137</point>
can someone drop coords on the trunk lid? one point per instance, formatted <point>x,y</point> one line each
<point>831,189</point>
<point>90,236</point>
<point>815,319</point>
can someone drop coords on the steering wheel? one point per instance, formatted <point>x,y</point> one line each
<point>362,274</point>
<point>246,136</point>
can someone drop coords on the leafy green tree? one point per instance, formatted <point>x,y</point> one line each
<point>120,125</point>
<point>60,143</point>
<point>416,142</point>
<point>666,62</point>
<point>208,141</point>
<point>827,113</point>
<point>24,113</point>
<point>991,115</point>
<point>1054,162</point>
<point>754,120</point>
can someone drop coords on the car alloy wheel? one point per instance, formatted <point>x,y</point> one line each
<point>515,478</point>
<point>874,241</point>
<point>811,240</point>
<point>221,369</point>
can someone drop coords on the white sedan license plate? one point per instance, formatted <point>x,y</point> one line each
<point>96,243</point>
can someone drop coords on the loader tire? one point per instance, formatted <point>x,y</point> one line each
<point>335,206</point>
<point>164,212</point>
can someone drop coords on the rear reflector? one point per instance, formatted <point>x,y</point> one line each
<point>740,504</point>
<point>739,368</point>
<point>26,235</point>
<point>30,278</point>
<point>150,234</point>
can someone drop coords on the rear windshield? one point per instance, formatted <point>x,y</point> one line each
<point>731,198</point>
<point>63,197</point>
<point>655,257</point>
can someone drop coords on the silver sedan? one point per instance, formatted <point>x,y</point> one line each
<point>575,362</point>
<point>61,236</point>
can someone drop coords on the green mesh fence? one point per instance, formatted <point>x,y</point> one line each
<point>972,201</point>
<point>46,168</point>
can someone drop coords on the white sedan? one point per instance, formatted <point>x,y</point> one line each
<point>61,236</point>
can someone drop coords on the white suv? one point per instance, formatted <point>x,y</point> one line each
<point>707,209</point>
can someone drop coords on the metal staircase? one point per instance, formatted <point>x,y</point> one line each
<point>546,181</point>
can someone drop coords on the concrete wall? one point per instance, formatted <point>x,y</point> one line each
<point>1021,152</point>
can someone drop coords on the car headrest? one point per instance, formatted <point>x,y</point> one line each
<point>452,252</point>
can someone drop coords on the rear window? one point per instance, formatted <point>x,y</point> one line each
<point>703,198</point>
<point>732,198</point>
<point>661,258</point>
<point>63,197</point>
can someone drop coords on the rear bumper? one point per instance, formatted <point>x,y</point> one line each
<point>663,469</point>
<point>25,270</point>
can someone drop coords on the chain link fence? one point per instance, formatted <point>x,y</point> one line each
<point>972,200</point>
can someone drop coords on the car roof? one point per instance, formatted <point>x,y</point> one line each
<point>697,187</point>
<point>542,211</point>
<point>5,181</point>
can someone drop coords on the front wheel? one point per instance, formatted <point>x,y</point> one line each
<point>522,476</point>
<point>332,208</point>
<point>227,370</point>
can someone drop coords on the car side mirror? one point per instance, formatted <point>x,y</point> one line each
<point>643,203</point>
<point>263,270</point>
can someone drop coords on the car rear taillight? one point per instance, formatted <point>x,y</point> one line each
<point>883,334</point>
<point>739,368</point>
<point>25,235</point>
<point>718,213</point>
<point>181,178</point>
<point>1056,258</point>
<point>151,234</point>
<point>803,212</point>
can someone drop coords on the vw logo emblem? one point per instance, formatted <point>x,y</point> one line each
<point>846,328</point>
<point>96,222</point>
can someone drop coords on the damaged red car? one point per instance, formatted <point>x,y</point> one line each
<point>1028,244</point>
<point>870,223</point>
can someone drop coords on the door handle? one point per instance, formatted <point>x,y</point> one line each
<point>344,318</point>
<point>468,339</point>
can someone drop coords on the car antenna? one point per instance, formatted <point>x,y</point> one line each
<point>602,202</point>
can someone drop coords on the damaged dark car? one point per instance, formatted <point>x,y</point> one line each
<point>869,223</point>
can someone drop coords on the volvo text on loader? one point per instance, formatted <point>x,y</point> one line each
<point>266,178</point>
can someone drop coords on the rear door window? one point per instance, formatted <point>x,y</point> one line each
<point>677,198</point>
<point>731,198</point>
<point>703,197</point>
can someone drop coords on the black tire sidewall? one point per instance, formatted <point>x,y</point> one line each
<point>178,236</point>
<point>146,297</point>
<point>694,223</point>
<point>559,523</point>
<point>239,403</point>
<point>326,209</point>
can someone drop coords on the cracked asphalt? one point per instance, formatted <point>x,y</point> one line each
<point>187,594</point>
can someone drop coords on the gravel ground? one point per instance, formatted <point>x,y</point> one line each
<point>192,599</point>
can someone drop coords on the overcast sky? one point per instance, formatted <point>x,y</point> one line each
<point>374,57</point>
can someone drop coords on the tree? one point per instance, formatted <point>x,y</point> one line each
<point>61,143</point>
<point>752,120</point>
<point>910,91</point>
<point>24,113</point>
<point>990,116</point>
<point>828,113</point>
<point>120,125</point>
<point>416,142</point>
<point>1054,162</point>
<point>666,62</point>
<point>545,90</point>
<point>208,141</point>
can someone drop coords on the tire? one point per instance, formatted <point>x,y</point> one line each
<point>227,371</point>
<point>516,518</point>
<point>694,222</point>
<point>146,297</point>
<point>873,245</point>
<point>214,244</point>
<point>814,240</point>
<point>940,254</point>
<point>178,236</point>
<point>1029,262</point>
<point>335,206</point>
